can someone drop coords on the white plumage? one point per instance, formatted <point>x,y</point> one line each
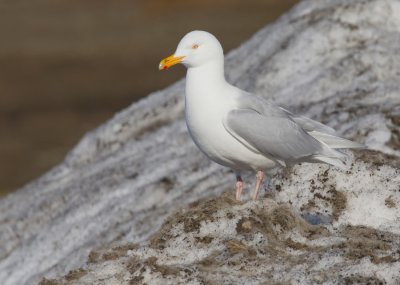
<point>240,130</point>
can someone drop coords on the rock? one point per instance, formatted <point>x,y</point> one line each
<point>221,241</point>
<point>101,210</point>
<point>323,226</point>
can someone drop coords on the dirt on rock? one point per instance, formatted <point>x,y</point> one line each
<point>265,233</point>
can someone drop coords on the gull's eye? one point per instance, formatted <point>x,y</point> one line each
<point>195,46</point>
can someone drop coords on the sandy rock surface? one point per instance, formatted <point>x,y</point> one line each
<point>136,203</point>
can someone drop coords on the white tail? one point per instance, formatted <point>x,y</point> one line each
<point>334,142</point>
<point>330,143</point>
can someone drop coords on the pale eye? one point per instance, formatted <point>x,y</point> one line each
<point>195,46</point>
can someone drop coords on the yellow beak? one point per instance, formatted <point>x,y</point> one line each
<point>170,61</point>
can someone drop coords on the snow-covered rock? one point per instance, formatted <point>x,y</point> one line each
<point>102,209</point>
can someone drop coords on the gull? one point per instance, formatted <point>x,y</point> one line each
<point>244,131</point>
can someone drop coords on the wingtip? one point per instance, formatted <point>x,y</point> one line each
<point>358,145</point>
<point>334,161</point>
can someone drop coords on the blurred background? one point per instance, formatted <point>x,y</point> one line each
<point>66,66</point>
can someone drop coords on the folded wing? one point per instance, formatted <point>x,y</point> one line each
<point>278,134</point>
<point>279,138</point>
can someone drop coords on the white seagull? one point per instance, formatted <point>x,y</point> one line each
<point>241,130</point>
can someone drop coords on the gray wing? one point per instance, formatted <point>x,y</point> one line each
<point>311,125</point>
<point>276,137</point>
<point>269,129</point>
<point>266,107</point>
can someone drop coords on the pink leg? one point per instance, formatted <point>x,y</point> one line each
<point>239,187</point>
<point>260,179</point>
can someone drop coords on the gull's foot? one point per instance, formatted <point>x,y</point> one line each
<point>260,179</point>
<point>239,187</point>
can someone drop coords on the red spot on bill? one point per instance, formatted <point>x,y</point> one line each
<point>165,67</point>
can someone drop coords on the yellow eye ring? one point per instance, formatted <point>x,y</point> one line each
<point>195,46</point>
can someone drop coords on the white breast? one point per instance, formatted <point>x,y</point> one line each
<point>205,110</point>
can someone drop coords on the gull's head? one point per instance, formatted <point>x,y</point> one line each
<point>195,49</point>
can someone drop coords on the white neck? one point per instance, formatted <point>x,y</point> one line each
<point>205,77</point>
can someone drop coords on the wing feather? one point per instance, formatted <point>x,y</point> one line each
<point>268,108</point>
<point>276,136</point>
